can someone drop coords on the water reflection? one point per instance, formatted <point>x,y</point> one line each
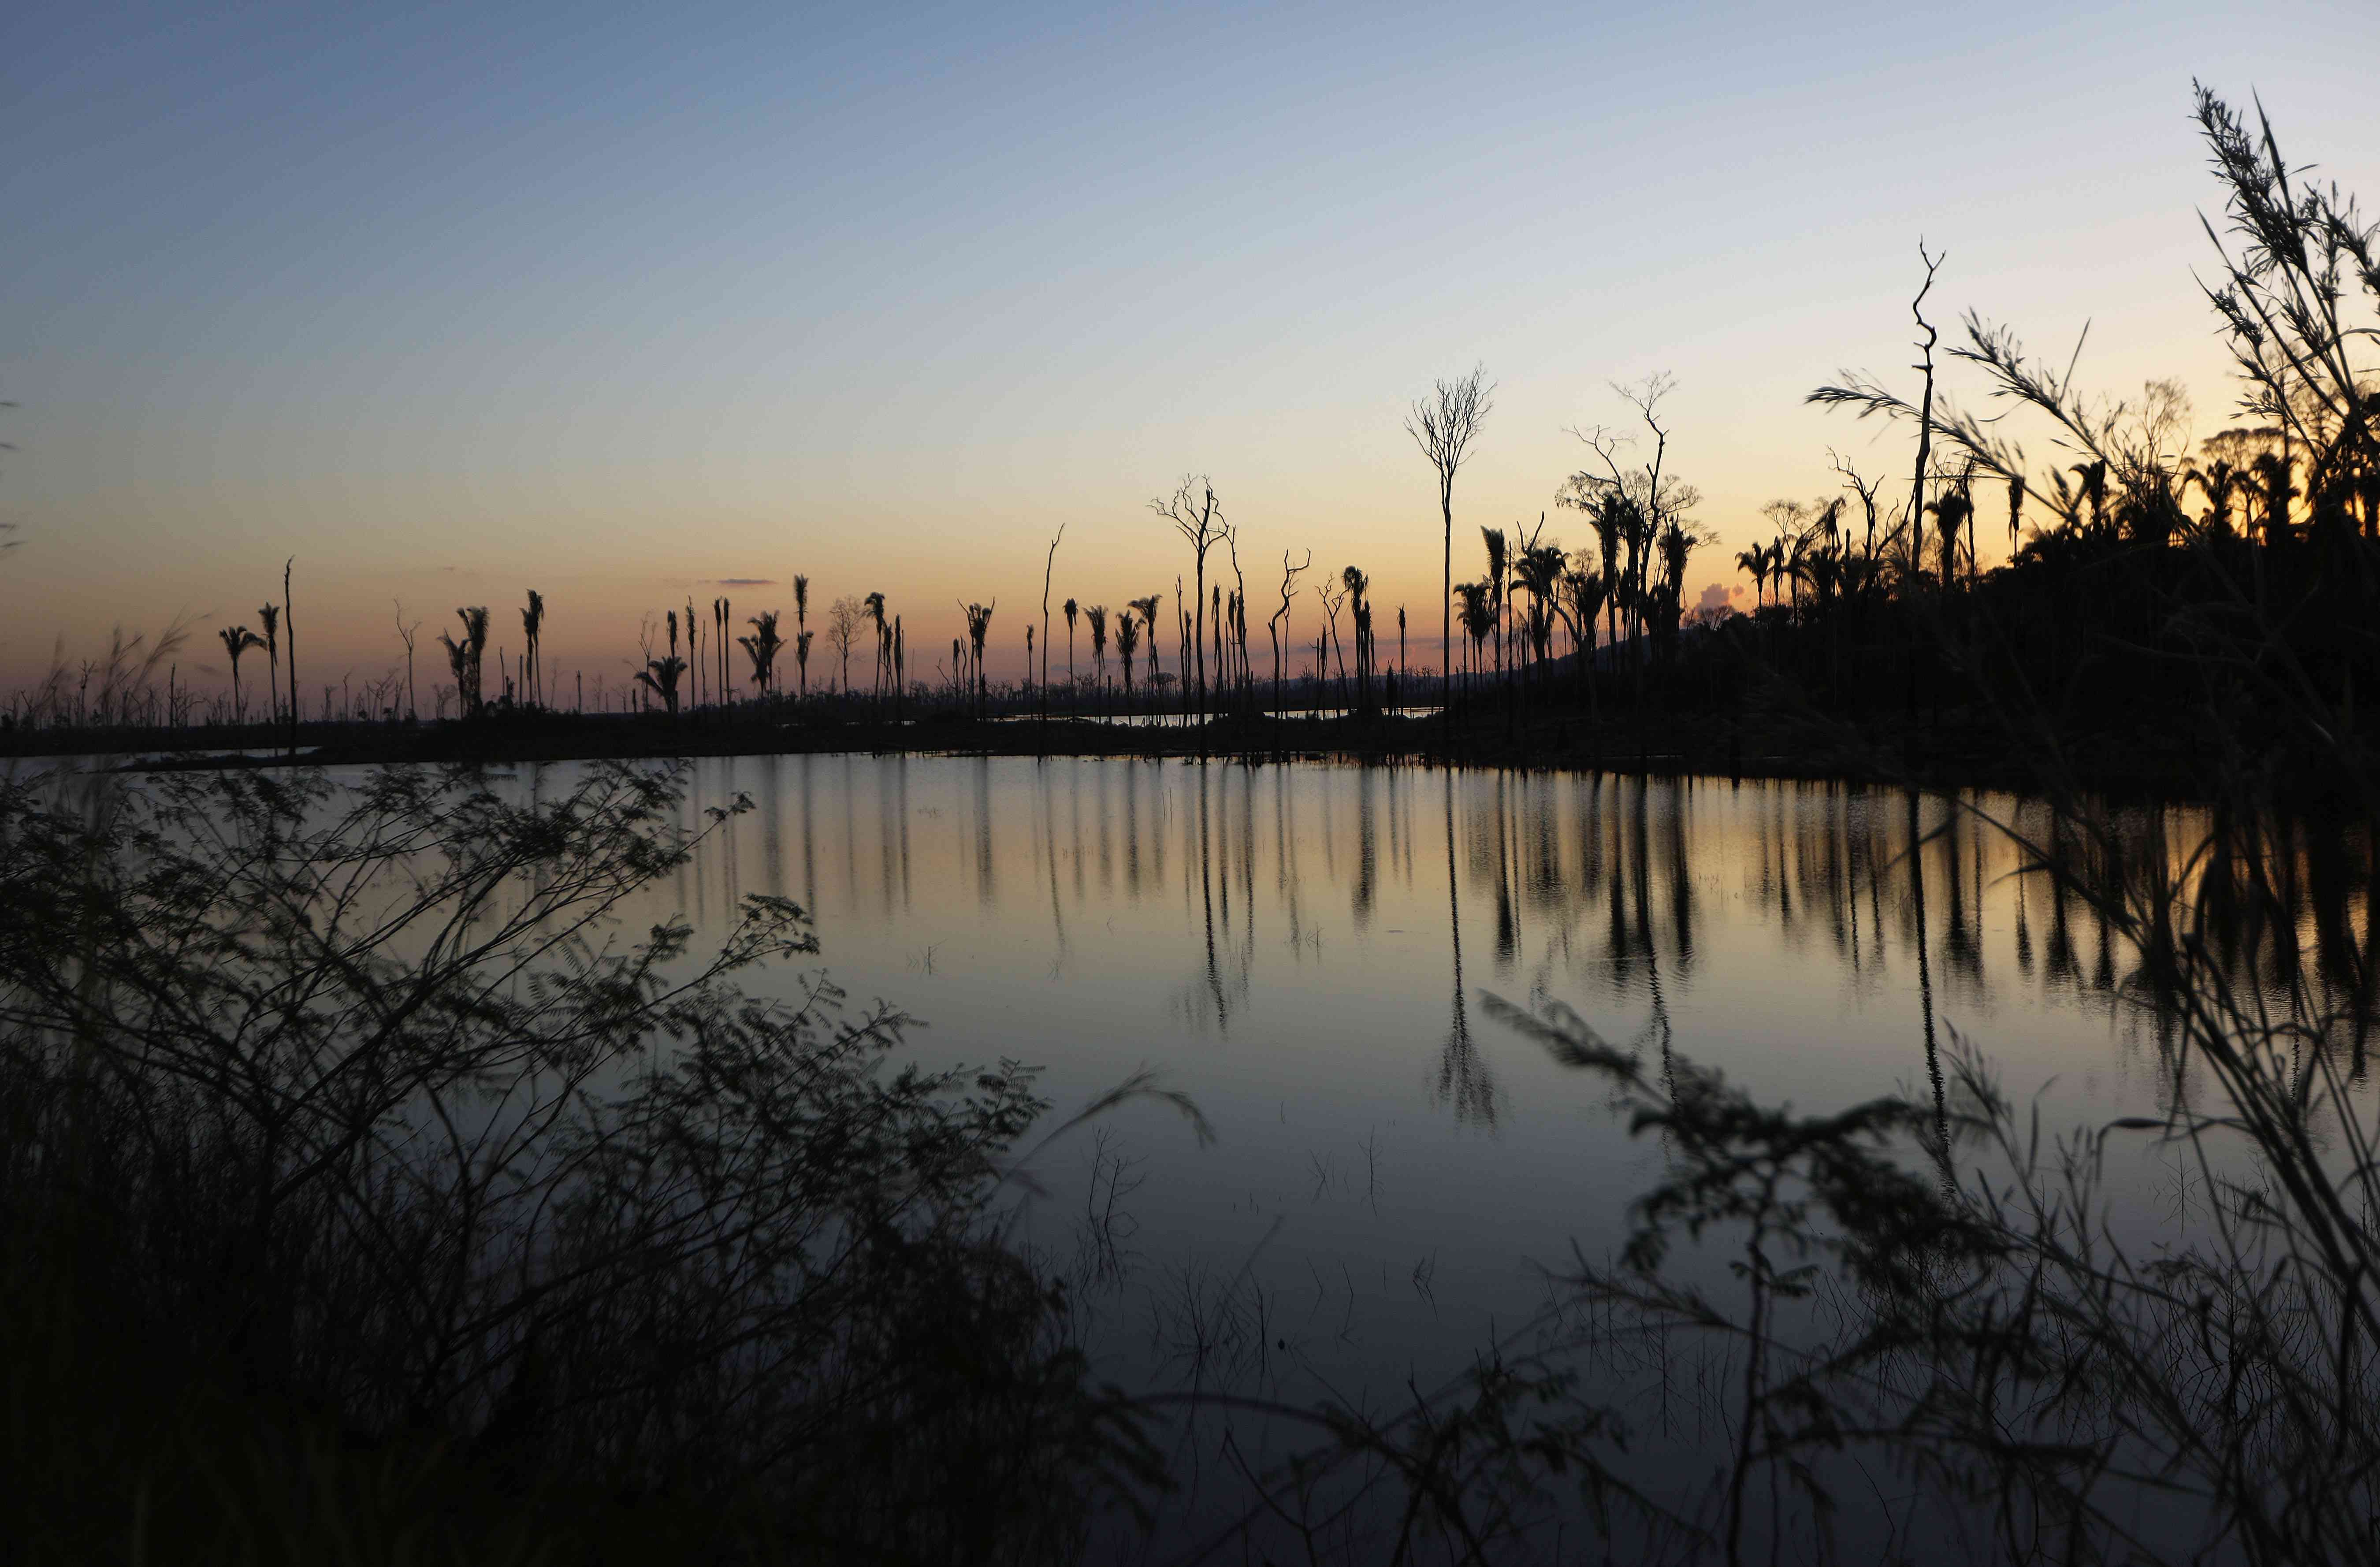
<point>1812,934</point>
<point>1463,1080</point>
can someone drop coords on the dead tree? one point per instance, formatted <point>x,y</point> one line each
<point>1047,567</point>
<point>1281,617</point>
<point>1444,425</point>
<point>1198,515</point>
<point>1925,408</point>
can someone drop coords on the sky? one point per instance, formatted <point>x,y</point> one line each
<point>637,305</point>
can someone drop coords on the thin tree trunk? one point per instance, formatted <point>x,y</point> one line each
<point>289,623</point>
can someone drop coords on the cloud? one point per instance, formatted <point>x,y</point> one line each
<point>1715,596</point>
<point>742,581</point>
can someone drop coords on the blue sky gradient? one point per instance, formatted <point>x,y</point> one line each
<point>452,301</point>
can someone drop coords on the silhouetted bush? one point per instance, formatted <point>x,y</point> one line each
<point>367,1197</point>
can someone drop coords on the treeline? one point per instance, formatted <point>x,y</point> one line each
<point>2121,562</point>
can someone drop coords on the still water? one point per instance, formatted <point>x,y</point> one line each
<point>1305,949</point>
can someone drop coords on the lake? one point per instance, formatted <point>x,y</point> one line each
<point>1303,949</point>
<point>1313,955</point>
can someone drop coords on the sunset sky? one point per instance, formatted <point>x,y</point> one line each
<point>452,301</point>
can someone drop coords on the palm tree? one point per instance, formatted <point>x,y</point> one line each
<point>1754,562</point>
<point>761,648</point>
<point>802,629</point>
<point>1826,568</point>
<point>661,676</point>
<point>1583,595</point>
<point>1358,584</point>
<point>1539,571</point>
<point>532,624</point>
<point>978,621</point>
<point>2219,482</point>
<point>1478,618</point>
<point>270,616</point>
<point>1071,612</point>
<point>1611,527</point>
<point>1951,512</point>
<point>1097,615</point>
<point>237,639</point>
<point>723,614</point>
<point>1789,562</point>
<point>1675,545</point>
<point>1498,558</point>
<point>1148,608</point>
<point>465,657</point>
<point>1127,644</point>
<point>2095,490</point>
<point>874,604</point>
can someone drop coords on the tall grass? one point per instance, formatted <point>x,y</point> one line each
<point>367,1190</point>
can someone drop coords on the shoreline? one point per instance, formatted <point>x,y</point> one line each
<point>1955,752</point>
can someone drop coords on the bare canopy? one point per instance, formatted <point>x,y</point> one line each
<point>1443,425</point>
<point>1198,515</point>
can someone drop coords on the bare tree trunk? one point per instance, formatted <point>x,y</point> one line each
<point>1446,579</point>
<point>1924,417</point>
<point>289,623</point>
<point>1048,565</point>
<point>1924,448</point>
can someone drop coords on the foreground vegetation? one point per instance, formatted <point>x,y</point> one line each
<point>367,1197</point>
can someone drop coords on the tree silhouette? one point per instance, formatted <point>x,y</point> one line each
<point>761,648</point>
<point>1071,612</point>
<point>1328,637</point>
<point>723,616</point>
<point>1049,565</point>
<point>1754,561</point>
<point>1496,546</point>
<point>465,657</point>
<point>874,604</point>
<point>1356,584</point>
<point>289,623</point>
<point>1148,608</point>
<point>269,616</point>
<point>1127,644</point>
<point>532,628</point>
<point>661,676</point>
<point>843,619</point>
<point>1951,510</point>
<point>802,632</point>
<point>404,634</point>
<point>1538,572</point>
<point>979,624</point>
<point>1444,425</point>
<point>1097,615</point>
<point>1198,515</point>
<point>237,639</point>
<point>1478,621</point>
<point>1278,622</point>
